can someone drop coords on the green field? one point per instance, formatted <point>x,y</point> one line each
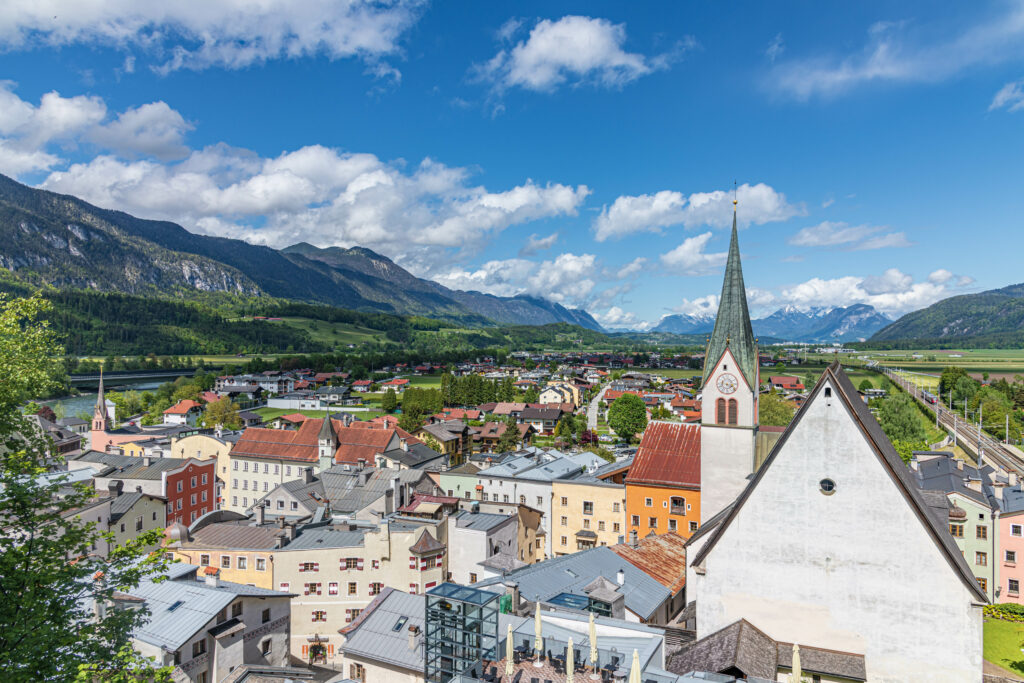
<point>1002,644</point>
<point>336,334</point>
<point>996,362</point>
<point>672,373</point>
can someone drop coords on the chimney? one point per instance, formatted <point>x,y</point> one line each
<point>138,488</point>
<point>307,475</point>
<point>959,464</point>
<point>289,531</point>
<point>280,522</point>
<point>212,577</point>
<point>147,461</point>
<point>360,464</point>
<point>413,632</point>
<point>389,501</point>
<point>403,444</point>
<point>633,538</point>
<point>114,487</point>
<point>1012,478</point>
<point>512,589</point>
<point>620,578</point>
<point>914,464</point>
<point>261,511</point>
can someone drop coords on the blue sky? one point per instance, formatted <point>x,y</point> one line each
<point>581,151</point>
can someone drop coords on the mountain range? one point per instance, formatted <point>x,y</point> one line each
<point>820,324</point>
<point>991,318</point>
<point>66,242</point>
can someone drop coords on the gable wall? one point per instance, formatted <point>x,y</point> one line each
<point>855,571</point>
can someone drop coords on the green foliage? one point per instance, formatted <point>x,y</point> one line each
<point>532,395</point>
<point>509,439</point>
<point>223,413</point>
<point>421,403</point>
<point>50,574</point>
<point>773,411</point>
<point>906,448</point>
<point>900,419</point>
<point>627,416</point>
<point>389,401</point>
<point>1007,611</point>
<point>865,385</point>
<point>602,452</point>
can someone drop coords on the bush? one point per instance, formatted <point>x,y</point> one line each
<point>1007,611</point>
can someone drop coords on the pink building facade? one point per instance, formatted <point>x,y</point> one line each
<point>1010,557</point>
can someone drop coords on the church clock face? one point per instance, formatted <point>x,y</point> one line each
<point>727,383</point>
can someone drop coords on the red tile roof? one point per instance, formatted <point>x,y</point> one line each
<point>458,414</point>
<point>294,417</point>
<point>182,407</point>
<point>662,557</point>
<point>359,441</point>
<point>669,454</point>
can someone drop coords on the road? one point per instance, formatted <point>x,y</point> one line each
<point>595,407</point>
<point>991,449</point>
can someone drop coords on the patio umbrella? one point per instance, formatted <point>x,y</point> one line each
<point>538,640</point>
<point>509,654</point>
<point>593,648</point>
<point>634,671</point>
<point>570,663</point>
<point>797,674</point>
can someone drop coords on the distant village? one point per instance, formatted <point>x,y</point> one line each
<point>324,536</point>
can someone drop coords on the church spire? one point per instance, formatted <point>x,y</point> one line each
<point>99,415</point>
<point>732,324</point>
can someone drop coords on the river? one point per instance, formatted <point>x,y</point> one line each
<point>84,403</point>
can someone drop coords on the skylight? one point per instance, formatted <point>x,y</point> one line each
<point>399,624</point>
<point>175,605</point>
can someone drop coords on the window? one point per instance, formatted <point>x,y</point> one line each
<point>649,502</point>
<point>353,588</point>
<point>1015,530</point>
<point>616,527</point>
<point>242,562</point>
<point>375,564</point>
<point>678,505</point>
<point>192,499</point>
<point>192,483</point>
<point>234,483</point>
<point>981,559</point>
<point>138,523</point>
<point>983,583</point>
<point>284,586</point>
<point>204,480</point>
<point>1010,556</point>
<point>311,589</point>
<point>181,487</point>
<point>234,501</point>
<point>204,560</point>
<point>351,563</point>
<point>179,503</point>
<point>319,615</point>
<point>236,610</point>
<point>652,522</point>
<point>522,500</point>
<point>261,564</point>
<point>957,530</point>
<point>504,498</point>
<point>565,501</point>
<point>981,532</point>
<point>356,672</point>
<point>586,524</point>
<point>600,525</point>
<point>264,487</point>
<point>540,500</point>
<point>635,520</point>
<point>693,526</point>
<point>266,468</point>
<point>295,505</point>
<point>1013,586</point>
<point>671,525</point>
<point>309,567</point>
<point>733,411</point>
<point>615,507</point>
<point>483,497</point>
<point>225,562</point>
<point>245,502</point>
<point>235,463</point>
<point>199,647</point>
<point>565,540</point>
<point>245,484</point>
<point>376,587</point>
<point>280,504</point>
<point>565,521</point>
<point>277,469</point>
<point>332,588</point>
<point>245,466</point>
<point>192,516</point>
<point>154,512</point>
<point>265,646</point>
<point>827,486</point>
<point>588,507</point>
<point>287,470</point>
<point>720,412</point>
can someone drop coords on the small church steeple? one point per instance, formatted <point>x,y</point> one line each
<point>100,418</point>
<point>732,324</point>
<point>327,441</point>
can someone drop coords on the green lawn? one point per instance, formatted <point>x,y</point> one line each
<point>336,334</point>
<point>1002,644</point>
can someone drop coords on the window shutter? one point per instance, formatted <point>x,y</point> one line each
<point>305,650</point>
<point>302,567</point>
<point>316,566</point>
<point>412,563</point>
<point>359,564</point>
<point>330,650</point>
<point>423,563</point>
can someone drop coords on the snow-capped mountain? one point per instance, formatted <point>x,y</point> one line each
<point>790,323</point>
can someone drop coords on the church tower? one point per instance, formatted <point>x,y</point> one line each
<point>100,419</point>
<point>729,404</point>
<point>327,441</point>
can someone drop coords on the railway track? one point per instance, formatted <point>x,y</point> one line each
<point>989,448</point>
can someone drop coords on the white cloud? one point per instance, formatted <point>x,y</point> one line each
<point>855,237</point>
<point>893,292</point>
<point>689,257</point>
<point>632,268</point>
<point>940,276</point>
<point>775,48</point>
<point>572,49</point>
<point>896,53</point>
<point>1010,96</point>
<point>568,279</point>
<point>535,244</point>
<point>758,204</point>
<point>214,33</point>
<point>705,305</point>
<point>616,317</point>
<point>153,129</point>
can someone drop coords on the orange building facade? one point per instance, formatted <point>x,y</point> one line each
<point>663,484</point>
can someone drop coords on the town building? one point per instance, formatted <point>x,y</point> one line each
<point>124,514</point>
<point>474,537</point>
<point>798,553</point>
<point>184,412</point>
<point>587,512</point>
<point>1009,537</point>
<point>663,487</point>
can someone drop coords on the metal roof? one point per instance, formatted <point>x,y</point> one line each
<point>571,573</point>
<point>375,636</point>
<point>479,520</point>
<point>314,539</point>
<point>669,453</point>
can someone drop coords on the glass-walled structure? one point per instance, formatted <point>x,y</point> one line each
<point>460,629</point>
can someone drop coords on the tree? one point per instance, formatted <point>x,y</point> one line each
<point>865,385</point>
<point>410,422</point>
<point>906,449</point>
<point>900,419</point>
<point>389,401</point>
<point>773,411</point>
<point>50,577</point>
<point>532,395</point>
<point>602,453</point>
<point>223,413</point>
<point>509,440</point>
<point>432,443</point>
<point>627,416</point>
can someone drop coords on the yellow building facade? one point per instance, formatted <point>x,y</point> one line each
<point>586,513</point>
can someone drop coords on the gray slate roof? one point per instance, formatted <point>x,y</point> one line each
<point>483,521</point>
<point>374,637</point>
<point>572,573</point>
<point>346,487</point>
<point>316,539</point>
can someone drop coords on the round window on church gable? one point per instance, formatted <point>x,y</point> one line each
<point>828,487</point>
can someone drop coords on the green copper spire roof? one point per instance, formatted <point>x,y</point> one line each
<point>732,325</point>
